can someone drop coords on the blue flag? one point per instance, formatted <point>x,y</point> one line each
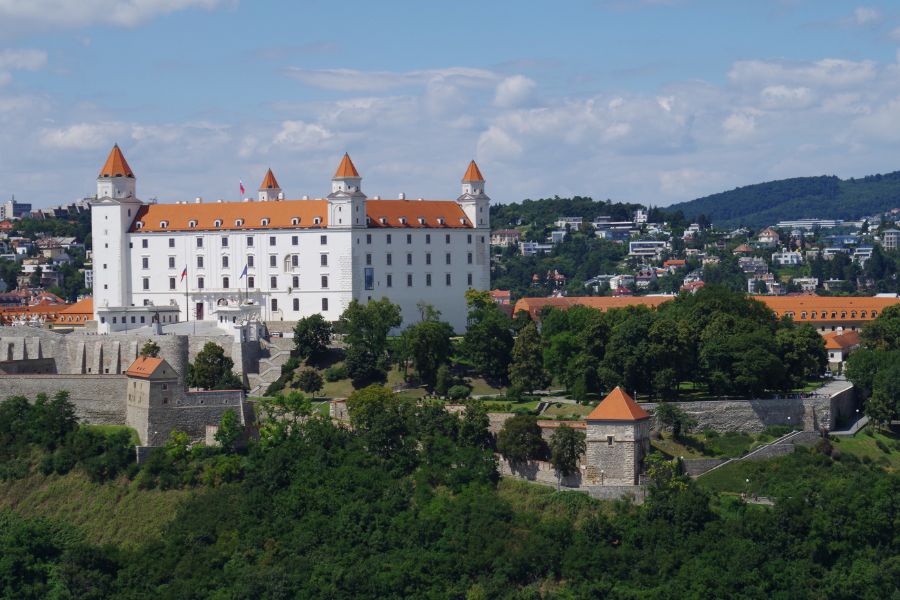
<point>244,272</point>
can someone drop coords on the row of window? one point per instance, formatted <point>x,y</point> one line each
<point>389,259</point>
<point>273,240</point>
<point>824,314</point>
<point>273,261</point>
<point>409,238</point>
<point>389,280</point>
<point>226,282</point>
<point>296,304</point>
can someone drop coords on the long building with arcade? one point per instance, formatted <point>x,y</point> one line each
<point>273,259</point>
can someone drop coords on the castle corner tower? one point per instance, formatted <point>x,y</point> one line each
<point>346,202</point>
<point>618,439</point>
<point>474,202</point>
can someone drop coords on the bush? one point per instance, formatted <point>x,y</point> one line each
<point>336,373</point>
<point>459,392</point>
<point>882,446</point>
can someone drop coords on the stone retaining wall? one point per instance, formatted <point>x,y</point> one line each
<point>98,399</point>
<point>538,471</point>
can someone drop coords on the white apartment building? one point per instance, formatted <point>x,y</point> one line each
<point>280,260</point>
<point>647,248</point>
<point>890,239</point>
<point>787,258</point>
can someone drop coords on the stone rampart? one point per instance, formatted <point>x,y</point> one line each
<point>98,399</point>
<point>538,471</point>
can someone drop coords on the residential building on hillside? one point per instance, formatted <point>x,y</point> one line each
<point>768,237</point>
<point>273,259</point>
<point>890,239</point>
<point>14,210</point>
<point>787,258</point>
<point>647,248</point>
<point>569,222</point>
<point>505,237</point>
<point>532,248</point>
<point>806,284</point>
<point>809,224</point>
<point>862,254</point>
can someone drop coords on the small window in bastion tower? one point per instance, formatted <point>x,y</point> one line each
<point>609,440</point>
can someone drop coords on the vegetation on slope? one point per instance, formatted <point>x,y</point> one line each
<point>826,197</point>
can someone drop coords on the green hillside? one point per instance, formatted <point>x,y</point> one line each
<point>829,197</point>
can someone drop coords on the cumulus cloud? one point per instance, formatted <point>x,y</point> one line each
<point>66,13</point>
<point>26,60</point>
<point>352,80</point>
<point>865,15</point>
<point>514,91</point>
<point>831,72</point>
<point>302,135</point>
<point>786,97</point>
<point>81,136</point>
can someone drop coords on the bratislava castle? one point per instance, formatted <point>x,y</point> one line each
<point>273,259</point>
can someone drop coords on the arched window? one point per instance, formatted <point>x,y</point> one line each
<point>874,313</point>
<point>853,314</point>
<point>238,222</point>
<point>803,315</point>
<point>163,224</point>
<point>863,314</point>
<point>295,221</point>
<point>139,224</point>
<point>192,223</point>
<point>317,221</point>
<point>217,223</point>
<point>265,222</point>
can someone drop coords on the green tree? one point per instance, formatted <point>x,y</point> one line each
<point>384,420</point>
<point>212,370</point>
<point>443,380</point>
<point>884,332</point>
<point>230,431</point>
<point>427,344</point>
<point>150,348</point>
<point>526,368</point>
<point>520,439</point>
<point>473,428</point>
<point>310,381</point>
<point>488,341</point>
<point>673,416</point>
<point>567,446</point>
<point>366,328</point>
<point>802,352</point>
<point>312,335</point>
<point>884,404</point>
<point>34,280</point>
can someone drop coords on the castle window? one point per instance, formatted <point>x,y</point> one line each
<point>163,224</point>
<point>224,241</point>
<point>469,238</point>
<point>388,259</point>
<point>295,240</point>
<point>295,282</point>
<point>609,440</point>
<point>192,223</point>
<point>251,282</point>
<point>409,238</point>
<point>447,279</point>
<point>323,260</point>
<point>139,224</point>
<point>171,283</point>
<point>199,242</point>
<point>428,258</point>
<point>264,222</point>
<point>440,220</point>
<point>403,220</point>
<point>324,304</point>
<point>238,222</point>
<point>427,279</point>
<point>225,282</point>
<point>271,240</point>
<point>146,283</point>
<point>249,241</point>
<point>295,221</point>
<point>295,260</point>
<point>323,240</point>
<point>388,239</point>
<point>448,258</point>
<point>427,238</point>
<point>368,238</point>
<point>199,262</point>
<point>409,258</point>
<point>317,220</point>
<point>200,283</point>
<point>382,220</point>
<point>171,242</point>
<point>421,220</point>
<point>874,313</point>
<point>803,315</point>
<point>274,304</point>
<point>389,280</point>
<point>469,260</point>
<point>469,279</point>
<point>863,314</point>
<point>273,282</point>
<point>447,238</point>
<point>250,261</point>
<point>145,262</point>
<point>853,313</point>
<point>324,281</point>
<point>217,223</point>
<point>296,304</point>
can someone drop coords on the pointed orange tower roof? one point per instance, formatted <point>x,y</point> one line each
<point>618,406</point>
<point>346,168</point>
<point>473,173</point>
<point>269,182</point>
<point>116,165</point>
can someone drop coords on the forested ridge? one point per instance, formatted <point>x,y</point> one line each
<point>825,197</point>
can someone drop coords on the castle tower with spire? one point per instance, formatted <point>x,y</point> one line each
<point>474,202</point>
<point>269,188</point>
<point>116,179</point>
<point>346,202</point>
<point>618,440</point>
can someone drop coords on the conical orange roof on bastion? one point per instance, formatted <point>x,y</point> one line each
<point>269,182</point>
<point>618,406</point>
<point>346,168</point>
<point>116,165</point>
<point>473,173</point>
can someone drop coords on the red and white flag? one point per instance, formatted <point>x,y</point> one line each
<point>184,273</point>
<point>242,186</point>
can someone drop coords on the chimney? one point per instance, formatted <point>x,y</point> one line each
<point>198,200</point>
<point>402,196</point>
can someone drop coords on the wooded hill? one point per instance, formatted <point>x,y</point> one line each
<point>827,197</point>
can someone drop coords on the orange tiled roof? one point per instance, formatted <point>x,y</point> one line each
<point>473,173</point>
<point>83,306</point>
<point>841,341</point>
<point>143,366</point>
<point>346,168</point>
<point>116,165</point>
<point>232,215</point>
<point>535,305</point>
<point>675,262</point>
<point>430,211</point>
<point>618,406</point>
<point>269,182</point>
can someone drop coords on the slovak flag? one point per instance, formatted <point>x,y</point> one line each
<point>244,272</point>
<point>241,181</point>
<point>184,273</point>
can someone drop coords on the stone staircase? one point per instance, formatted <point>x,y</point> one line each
<point>275,352</point>
<point>779,447</point>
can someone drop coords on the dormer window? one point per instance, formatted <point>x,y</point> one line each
<point>368,220</point>
<point>421,220</point>
<point>192,223</point>
<point>139,224</point>
<point>317,220</point>
<point>462,221</point>
<point>264,222</point>
<point>217,223</point>
<point>238,222</point>
<point>295,221</point>
<point>163,224</point>
<point>441,220</point>
<point>403,220</point>
<point>382,220</point>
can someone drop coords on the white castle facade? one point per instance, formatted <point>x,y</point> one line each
<point>273,259</point>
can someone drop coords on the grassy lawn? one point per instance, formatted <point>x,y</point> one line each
<point>108,429</point>
<point>546,503</point>
<point>108,513</point>
<point>480,387</point>
<point>560,410</point>
<point>726,445</point>
<point>504,406</point>
<point>865,447</point>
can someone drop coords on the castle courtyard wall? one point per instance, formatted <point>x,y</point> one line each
<point>98,399</point>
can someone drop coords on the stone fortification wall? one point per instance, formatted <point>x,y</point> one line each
<point>192,412</point>
<point>98,399</point>
<point>810,414</point>
<point>538,471</point>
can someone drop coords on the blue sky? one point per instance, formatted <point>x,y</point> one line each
<point>652,101</point>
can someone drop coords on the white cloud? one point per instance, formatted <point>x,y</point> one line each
<point>25,60</point>
<point>301,135</point>
<point>514,91</point>
<point>81,136</point>
<point>79,13</point>
<point>831,72</point>
<point>739,125</point>
<point>351,80</point>
<point>785,97</point>
<point>864,15</point>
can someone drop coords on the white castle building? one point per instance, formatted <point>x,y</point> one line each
<point>280,260</point>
